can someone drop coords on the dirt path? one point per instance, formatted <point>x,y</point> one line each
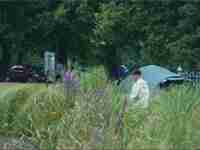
<point>7,143</point>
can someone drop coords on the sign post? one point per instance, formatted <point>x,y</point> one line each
<point>49,65</point>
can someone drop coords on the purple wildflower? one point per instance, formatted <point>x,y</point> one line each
<point>68,76</point>
<point>99,93</point>
<point>71,85</point>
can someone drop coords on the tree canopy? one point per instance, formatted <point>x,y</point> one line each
<point>108,32</point>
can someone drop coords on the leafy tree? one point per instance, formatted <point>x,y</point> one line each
<point>108,32</point>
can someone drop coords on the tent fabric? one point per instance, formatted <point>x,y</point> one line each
<point>153,74</point>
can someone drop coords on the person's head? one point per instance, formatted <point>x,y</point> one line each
<point>136,74</point>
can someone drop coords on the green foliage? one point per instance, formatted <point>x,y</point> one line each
<point>149,32</point>
<point>103,32</point>
<point>111,34</point>
<point>95,78</point>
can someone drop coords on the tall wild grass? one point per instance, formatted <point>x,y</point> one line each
<point>88,117</point>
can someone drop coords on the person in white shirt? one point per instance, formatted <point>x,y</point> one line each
<point>139,95</point>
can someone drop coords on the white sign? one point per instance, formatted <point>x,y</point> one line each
<point>49,63</point>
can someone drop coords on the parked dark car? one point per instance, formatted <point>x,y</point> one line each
<point>38,73</point>
<point>22,73</point>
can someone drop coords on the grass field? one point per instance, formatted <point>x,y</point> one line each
<point>57,118</point>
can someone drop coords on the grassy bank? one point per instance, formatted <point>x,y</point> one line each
<point>56,119</point>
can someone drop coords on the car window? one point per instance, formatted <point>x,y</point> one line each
<point>18,69</point>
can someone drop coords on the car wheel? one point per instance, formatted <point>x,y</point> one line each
<point>30,80</point>
<point>8,79</point>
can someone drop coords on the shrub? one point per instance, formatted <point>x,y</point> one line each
<point>95,78</point>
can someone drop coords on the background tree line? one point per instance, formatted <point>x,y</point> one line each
<point>108,32</point>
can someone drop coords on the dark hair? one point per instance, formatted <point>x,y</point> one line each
<point>137,72</point>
